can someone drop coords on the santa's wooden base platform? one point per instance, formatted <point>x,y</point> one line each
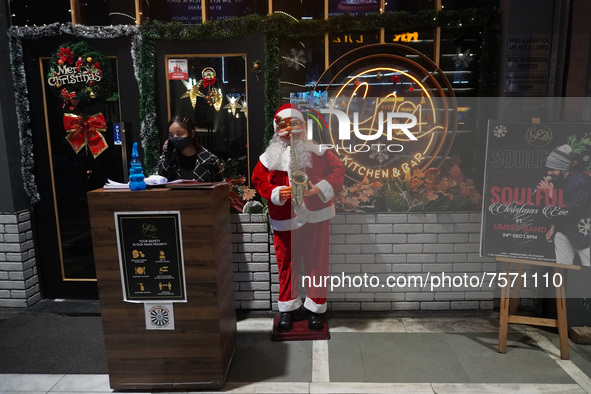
<point>300,331</point>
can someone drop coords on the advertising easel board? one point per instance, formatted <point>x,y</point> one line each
<point>517,213</point>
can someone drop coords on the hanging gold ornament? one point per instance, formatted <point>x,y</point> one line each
<point>215,98</point>
<point>90,92</point>
<point>233,104</point>
<point>256,69</point>
<point>244,108</point>
<point>192,91</point>
<point>214,95</point>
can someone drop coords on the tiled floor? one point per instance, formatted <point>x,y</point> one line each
<point>391,355</point>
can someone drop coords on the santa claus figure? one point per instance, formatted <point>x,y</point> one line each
<point>301,229</point>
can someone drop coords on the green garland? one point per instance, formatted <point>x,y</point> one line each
<point>272,84</point>
<point>278,26</point>
<point>15,36</point>
<point>146,53</point>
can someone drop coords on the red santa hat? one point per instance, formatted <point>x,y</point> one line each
<point>287,111</point>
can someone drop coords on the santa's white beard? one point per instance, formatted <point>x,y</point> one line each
<point>278,147</point>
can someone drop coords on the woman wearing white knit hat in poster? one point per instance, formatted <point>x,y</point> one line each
<point>569,231</point>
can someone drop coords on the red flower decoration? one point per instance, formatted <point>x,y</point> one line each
<point>278,119</point>
<point>65,55</point>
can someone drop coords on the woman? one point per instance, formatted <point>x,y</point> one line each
<point>183,158</point>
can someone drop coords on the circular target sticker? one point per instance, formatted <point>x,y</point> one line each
<point>159,317</point>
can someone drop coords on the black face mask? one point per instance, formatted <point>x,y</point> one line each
<point>180,143</point>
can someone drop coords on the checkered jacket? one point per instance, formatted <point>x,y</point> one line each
<point>207,167</point>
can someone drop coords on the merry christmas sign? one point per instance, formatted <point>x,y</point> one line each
<point>79,74</point>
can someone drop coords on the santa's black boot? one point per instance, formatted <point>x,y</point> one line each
<point>315,322</point>
<point>285,322</point>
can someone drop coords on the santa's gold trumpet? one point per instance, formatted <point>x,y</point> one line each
<point>299,179</point>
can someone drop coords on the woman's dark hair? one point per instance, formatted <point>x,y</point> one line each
<point>185,123</point>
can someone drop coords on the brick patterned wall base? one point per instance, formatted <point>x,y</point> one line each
<point>19,283</point>
<point>379,245</point>
<point>420,245</point>
<point>251,245</point>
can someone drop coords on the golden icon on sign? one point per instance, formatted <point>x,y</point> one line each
<point>167,285</point>
<point>137,253</point>
<point>141,286</point>
<point>163,269</point>
<point>140,270</point>
<point>162,255</point>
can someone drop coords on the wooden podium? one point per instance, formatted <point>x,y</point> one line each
<point>195,354</point>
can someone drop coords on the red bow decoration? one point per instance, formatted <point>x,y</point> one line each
<point>86,132</point>
<point>208,81</point>
<point>68,98</point>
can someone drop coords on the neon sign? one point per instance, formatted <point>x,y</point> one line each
<point>385,114</point>
<point>406,37</point>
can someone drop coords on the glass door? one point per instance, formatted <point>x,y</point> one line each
<point>85,144</point>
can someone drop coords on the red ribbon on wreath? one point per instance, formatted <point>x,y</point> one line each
<point>86,132</point>
<point>208,82</point>
<point>68,98</point>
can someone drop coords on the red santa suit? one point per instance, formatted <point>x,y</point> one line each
<point>300,233</point>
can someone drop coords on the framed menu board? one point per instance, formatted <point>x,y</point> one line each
<point>151,256</point>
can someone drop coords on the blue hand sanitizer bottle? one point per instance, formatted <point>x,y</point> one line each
<point>136,172</point>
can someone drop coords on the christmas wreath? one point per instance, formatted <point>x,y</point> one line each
<point>79,74</point>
